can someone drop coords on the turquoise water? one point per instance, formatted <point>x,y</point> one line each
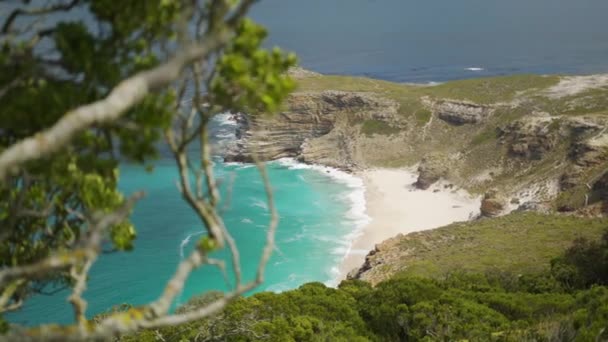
<point>316,218</point>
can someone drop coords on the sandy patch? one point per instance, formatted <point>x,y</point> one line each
<point>572,85</point>
<point>395,207</point>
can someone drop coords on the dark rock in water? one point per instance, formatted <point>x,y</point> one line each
<point>237,158</point>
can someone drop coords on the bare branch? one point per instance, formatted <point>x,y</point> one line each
<point>216,306</point>
<point>7,295</point>
<point>176,284</point>
<point>78,303</point>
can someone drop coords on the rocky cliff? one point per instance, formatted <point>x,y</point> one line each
<point>316,127</point>
<point>538,142</point>
<point>527,143</point>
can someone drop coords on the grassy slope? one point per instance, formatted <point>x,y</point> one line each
<point>520,243</point>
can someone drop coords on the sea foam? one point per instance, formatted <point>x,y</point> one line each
<point>356,216</point>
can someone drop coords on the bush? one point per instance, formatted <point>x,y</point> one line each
<point>583,265</point>
<point>498,306</point>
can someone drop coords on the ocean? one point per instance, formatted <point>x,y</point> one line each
<point>321,209</point>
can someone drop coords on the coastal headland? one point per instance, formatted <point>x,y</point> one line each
<point>431,155</point>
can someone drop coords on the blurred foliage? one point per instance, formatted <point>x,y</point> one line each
<point>246,76</point>
<point>79,59</point>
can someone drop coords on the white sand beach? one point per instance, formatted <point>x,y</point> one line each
<point>395,206</point>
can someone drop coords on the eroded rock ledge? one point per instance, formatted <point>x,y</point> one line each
<point>315,127</point>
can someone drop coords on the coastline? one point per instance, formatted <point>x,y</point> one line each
<point>395,207</point>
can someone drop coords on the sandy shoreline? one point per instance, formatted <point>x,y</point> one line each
<point>396,207</point>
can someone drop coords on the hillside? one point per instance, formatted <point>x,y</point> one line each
<point>519,288</point>
<point>534,145</point>
<point>520,243</point>
<point>536,139</point>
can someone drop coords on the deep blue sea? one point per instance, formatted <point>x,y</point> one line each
<point>322,209</point>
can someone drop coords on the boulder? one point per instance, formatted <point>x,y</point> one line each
<point>492,205</point>
<point>431,169</point>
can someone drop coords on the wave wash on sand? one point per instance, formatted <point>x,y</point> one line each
<point>395,207</point>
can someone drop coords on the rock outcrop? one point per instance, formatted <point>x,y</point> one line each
<point>530,138</point>
<point>315,128</point>
<point>589,149</point>
<point>430,170</point>
<point>460,112</point>
<point>492,204</point>
<point>384,255</point>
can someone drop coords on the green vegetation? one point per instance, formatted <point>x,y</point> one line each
<point>60,207</point>
<point>584,264</point>
<point>484,136</point>
<point>481,90</point>
<point>592,101</point>
<point>371,127</point>
<point>492,90</point>
<point>462,306</point>
<point>565,299</point>
<point>522,242</point>
<point>423,116</point>
<point>512,101</point>
<point>572,199</point>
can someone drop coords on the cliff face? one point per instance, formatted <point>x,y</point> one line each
<point>534,139</point>
<point>316,127</point>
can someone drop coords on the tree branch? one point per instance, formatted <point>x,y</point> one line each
<point>63,260</point>
<point>36,11</point>
<point>124,96</point>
